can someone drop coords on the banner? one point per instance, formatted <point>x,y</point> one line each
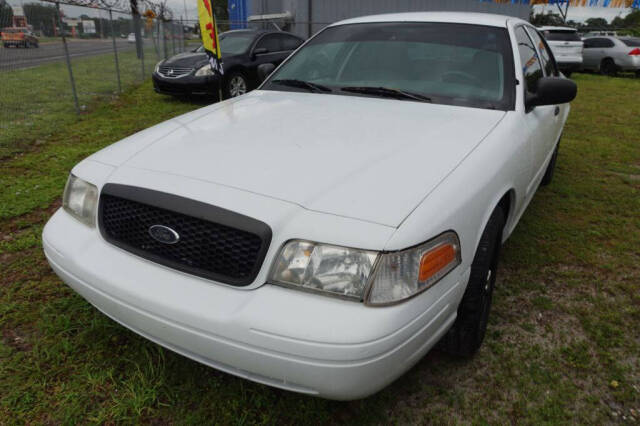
<point>209,33</point>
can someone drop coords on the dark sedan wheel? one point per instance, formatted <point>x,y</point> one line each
<point>608,67</point>
<point>467,333</point>
<point>236,85</point>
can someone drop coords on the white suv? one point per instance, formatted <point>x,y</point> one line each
<point>566,46</point>
<point>322,233</point>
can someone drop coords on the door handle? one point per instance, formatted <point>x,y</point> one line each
<point>556,111</point>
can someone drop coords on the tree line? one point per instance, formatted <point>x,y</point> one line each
<point>629,24</point>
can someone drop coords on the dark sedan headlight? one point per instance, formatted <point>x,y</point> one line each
<point>204,71</point>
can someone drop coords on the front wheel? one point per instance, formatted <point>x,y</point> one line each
<point>236,84</point>
<point>467,333</point>
<point>608,67</point>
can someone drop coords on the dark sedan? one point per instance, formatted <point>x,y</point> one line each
<point>243,51</point>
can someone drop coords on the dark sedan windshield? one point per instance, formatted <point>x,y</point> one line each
<point>456,64</point>
<point>233,43</point>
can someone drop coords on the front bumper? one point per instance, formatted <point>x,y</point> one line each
<point>574,65</point>
<point>188,85</point>
<point>280,337</point>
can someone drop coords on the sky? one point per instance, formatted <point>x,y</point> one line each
<point>178,6</point>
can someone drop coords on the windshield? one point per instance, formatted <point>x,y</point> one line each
<point>456,64</point>
<point>561,35</point>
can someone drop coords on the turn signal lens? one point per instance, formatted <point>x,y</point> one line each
<point>403,274</point>
<point>635,52</point>
<point>436,260</point>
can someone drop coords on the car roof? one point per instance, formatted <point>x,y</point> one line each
<point>602,36</point>
<point>551,28</point>
<point>257,32</point>
<point>488,19</point>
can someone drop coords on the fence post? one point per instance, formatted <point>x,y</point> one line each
<point>173,37</point>
<point>115,50</point>
<point>68,59</point>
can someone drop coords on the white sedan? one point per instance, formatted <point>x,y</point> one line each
<point>323,233</point>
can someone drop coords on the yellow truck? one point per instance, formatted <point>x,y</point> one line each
<point>18,37</point>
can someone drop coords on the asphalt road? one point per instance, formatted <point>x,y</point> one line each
<point>16,58</point>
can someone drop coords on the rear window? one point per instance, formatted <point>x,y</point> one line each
<point>559,35</point>
<point>631,42</point>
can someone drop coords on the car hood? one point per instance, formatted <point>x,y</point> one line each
<point>192,59</point>
<point>186,59</point>
<point>360,157</point>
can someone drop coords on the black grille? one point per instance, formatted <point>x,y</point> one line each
<point>214,243</point>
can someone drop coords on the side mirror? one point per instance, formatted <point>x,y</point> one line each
<point>260,51</point>
<point>552,91</point>
<point>264,70</point>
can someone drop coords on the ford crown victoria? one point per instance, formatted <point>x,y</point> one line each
<point>322,233</point>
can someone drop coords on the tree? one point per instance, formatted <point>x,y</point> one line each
<point>596,23</point>
<point>541,19</point>
<point>42,17</point>
<point>6,14</point>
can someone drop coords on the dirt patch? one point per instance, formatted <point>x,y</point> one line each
<point>15,340</point>
<point>34,217</point>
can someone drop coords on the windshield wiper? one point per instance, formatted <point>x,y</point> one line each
<point>314,87</point>
<point>387,93</point>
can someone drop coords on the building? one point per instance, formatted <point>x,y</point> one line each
<point>306,17</point>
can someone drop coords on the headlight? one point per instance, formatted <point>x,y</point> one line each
<point>205,70</point>
<point>376,278</point>
<point>80,199</point>
<point>405,273</point>
<point>326,268</point>
<point>157,68</point>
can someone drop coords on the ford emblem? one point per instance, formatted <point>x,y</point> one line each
<point>164,234</point>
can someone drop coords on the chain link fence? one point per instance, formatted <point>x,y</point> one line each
<point>56,59</point>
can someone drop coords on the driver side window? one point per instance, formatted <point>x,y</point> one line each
<point>531,68</point>
<point>548,62</point>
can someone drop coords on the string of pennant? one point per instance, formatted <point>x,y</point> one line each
<point>635,4</point>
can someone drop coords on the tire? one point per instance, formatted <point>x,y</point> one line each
<point>608,67</point>
<point>235,84</point>
<point>548,174</point>
<point>467,333</point>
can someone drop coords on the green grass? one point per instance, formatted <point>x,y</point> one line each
<point>562,344</point>
<point>37,102</point>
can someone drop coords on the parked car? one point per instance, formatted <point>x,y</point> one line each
<point>322,233</point>
<point>131,38</point>
<point>242,52</point>
<point>609,55</point>
<point>18,37</point>
<point>566,45</point>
